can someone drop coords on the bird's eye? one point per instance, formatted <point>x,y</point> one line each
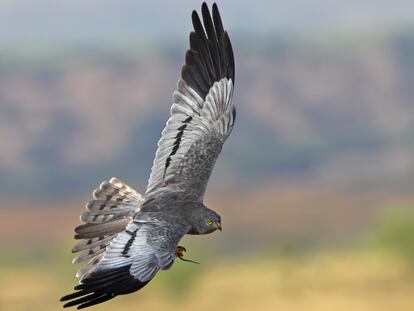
<point>209,222</point>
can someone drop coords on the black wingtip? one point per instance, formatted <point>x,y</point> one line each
<point>204,8</point>
<point>101,286</point>
<point>211,56</point>
<point>95,301</point>
<point>72,296</point>
<point>217,18</point>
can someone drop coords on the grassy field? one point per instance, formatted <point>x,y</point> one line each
<point>368,279</point>
<point>372,269</point>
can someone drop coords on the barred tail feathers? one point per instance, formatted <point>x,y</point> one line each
<point>110,211</point>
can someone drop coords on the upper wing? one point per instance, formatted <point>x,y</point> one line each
<point>202,114</point>
<point>130,261</point>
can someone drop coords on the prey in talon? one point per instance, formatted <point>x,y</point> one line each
<point>179,253</point>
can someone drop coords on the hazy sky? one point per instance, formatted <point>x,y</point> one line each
<point>102,20</point>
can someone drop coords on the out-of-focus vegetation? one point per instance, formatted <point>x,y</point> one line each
<point>325,280</point>
<point>395,231</point>
<point>374,272</point>
<point>334,112</point>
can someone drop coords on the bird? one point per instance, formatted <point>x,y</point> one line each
<point>127,237</point>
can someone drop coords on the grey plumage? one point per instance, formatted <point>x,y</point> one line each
<point>110,211</point>
<point>127,237</point>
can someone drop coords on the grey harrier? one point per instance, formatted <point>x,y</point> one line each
<point>128,237</point>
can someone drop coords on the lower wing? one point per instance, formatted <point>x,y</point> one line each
<point>129,262</point>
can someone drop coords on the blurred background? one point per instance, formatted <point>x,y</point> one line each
<point>315,185</point>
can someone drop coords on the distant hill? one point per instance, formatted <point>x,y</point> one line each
<point>337,112</point>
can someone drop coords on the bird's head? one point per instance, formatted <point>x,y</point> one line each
<point>213,222</point>
<point>207,221</point>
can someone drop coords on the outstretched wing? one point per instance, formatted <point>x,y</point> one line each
<point>130,261</point>
<point>202,114</point>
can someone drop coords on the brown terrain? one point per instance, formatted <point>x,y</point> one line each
<point>274,216</point>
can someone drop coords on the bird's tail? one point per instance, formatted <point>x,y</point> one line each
<point>113,205</point>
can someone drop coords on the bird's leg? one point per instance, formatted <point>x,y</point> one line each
<point>179,252</point>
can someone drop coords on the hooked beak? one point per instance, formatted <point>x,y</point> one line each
<point>218,225</point>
